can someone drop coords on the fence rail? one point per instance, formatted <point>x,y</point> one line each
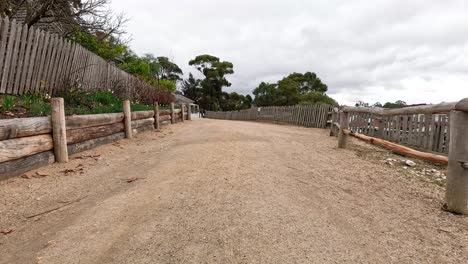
<point>428,132</point>
<point>32,60</point>
<point>302,115</point>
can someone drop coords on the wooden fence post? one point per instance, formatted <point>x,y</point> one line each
<point>344,123</point>
<point>334,117</point>
<point>172,114</point>
<point>381,127</point>
<point>189,112</point>
<point>59,130</point>
<point>127,119</point>
<point>182,106</point>
<point>156,115</point>
<point>456,194</point>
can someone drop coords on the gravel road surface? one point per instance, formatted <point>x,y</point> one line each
<point>212,191</point>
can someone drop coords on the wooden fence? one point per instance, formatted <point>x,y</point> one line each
<point>29,143</point>
<point>428,132</point>
<point>302,115</point>
<point>442,128</point>
<point>32,60</point>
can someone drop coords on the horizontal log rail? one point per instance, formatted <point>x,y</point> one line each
<point>437,159</point>
<point>28,143</point>
<point>24,127</point>
<point>413,110</point>
<point>82,121</point>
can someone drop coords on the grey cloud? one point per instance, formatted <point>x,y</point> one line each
<point>364,50</point>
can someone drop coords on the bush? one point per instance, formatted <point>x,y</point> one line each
<point>8,103</point>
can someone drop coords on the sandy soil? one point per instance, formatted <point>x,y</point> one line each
<point>214,191</point>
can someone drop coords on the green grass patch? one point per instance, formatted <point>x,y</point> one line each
<point>77,102</point>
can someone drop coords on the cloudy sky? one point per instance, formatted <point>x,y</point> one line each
<point>379,50</point>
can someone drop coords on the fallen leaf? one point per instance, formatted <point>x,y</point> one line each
<point>6,231</point>
<point>25,176</point>
<point>68,171</point>
<point>132,179</point>
<point>88,156</point>
<point>40,175</point>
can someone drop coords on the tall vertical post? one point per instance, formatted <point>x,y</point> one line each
<point>172,113</point>
<point>344,123</point>
<point>59,130</point>
<point>334,117</point>
<point>127,119</point>
<point>381,127</point>
<point>456,194</point>
<point>189,112</point>
<point>182,106</point>
<point>156,115</point>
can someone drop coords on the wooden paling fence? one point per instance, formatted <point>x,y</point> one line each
<point>302,115</point>
<point>428,132</point>
<point>32,60</point>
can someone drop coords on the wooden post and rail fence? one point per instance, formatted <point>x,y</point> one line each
<point>437,129</point>
<point>30,143</point>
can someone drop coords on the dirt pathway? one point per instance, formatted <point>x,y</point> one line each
<point>227,192</point>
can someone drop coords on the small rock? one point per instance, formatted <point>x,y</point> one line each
<point>410,163</point>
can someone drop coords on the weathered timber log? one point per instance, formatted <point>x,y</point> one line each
<point>17,148</point>
<point>438,159</point>
<point>456,194</point>
<point>142,123</point>
<point>165,123</point>
<point>92,143</point>
<point>19,166</point>
<point>82,121</point>
<point>424,109</point>
<point>172,114</point>
<point>164,112</point>
<point>24,127</point>
<point>462,105</point>
<point>142,115</point>
<point>144,128</point>
<point>156,115</point>
<point>59,130</point>
<point>344,124</point>
<point>164,118</point>
<point>79,135</point>
<point>127,119</point>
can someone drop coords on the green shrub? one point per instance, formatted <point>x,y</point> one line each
<point>8,103</point>
<point>39,108</point>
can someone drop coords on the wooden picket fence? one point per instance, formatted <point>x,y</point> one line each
<point>428,132</point>
<point>302,115</point>
<point>32,60</point>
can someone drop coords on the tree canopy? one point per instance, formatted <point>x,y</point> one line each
<point>214,70</point>
<point>396,104</point>
<point>296,88</point>
<point>160,71</point>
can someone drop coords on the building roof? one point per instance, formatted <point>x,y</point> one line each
<point>182,99</point>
